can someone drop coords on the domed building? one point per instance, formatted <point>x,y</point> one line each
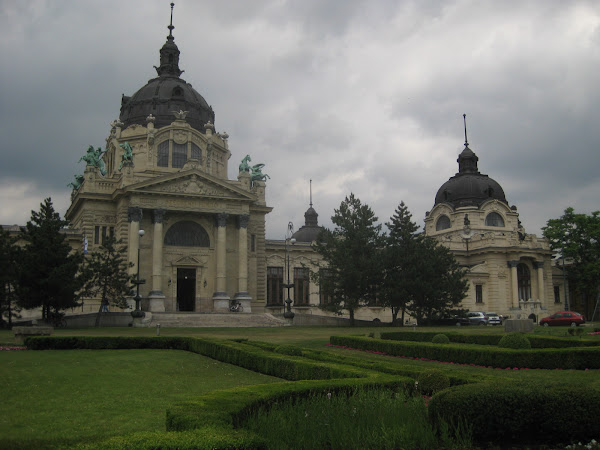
<point>164,172</point>
<point>509,271</point>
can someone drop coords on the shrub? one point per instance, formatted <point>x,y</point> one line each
<point>514,341</point>
<point>432,381</point>
<point>440,339</point>
<point>501,412</point>
<point>289,350</point>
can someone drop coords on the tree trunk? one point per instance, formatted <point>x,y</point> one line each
<point>102,303</point>
<point>351,311</point>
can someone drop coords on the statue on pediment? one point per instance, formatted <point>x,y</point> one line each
<point>127,157</point>
<point>77,183</point>
<point>244,166</point>
<point>257,174</point>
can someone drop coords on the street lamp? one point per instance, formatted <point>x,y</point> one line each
<point>137,282</point>
<point>564,270</point>
<point>288,314</point>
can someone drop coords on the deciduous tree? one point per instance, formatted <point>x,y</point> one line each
<point>106,275</point>
<point>577,237</point>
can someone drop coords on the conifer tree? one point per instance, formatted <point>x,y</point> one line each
<point>48,270</point>
<point>8,279</point>
<point>351,253</point>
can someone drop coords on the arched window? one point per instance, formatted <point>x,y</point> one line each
<point>179,155</point>
<point>177,92</point>
<point>163,154</point>
<point>196,152</point>
<point>187,234</point>
<point>442,223</point>
<point>494,219</point>
<point>524,281</point>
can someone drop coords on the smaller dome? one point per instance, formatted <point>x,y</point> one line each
<point>311,228</point>
<point>469,187</point>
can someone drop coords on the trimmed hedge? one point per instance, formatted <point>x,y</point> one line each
<point>515,341</point>
<point>232,352</point>
<point>489,339</point>
<point>487,356</point>
<point>521,414</point>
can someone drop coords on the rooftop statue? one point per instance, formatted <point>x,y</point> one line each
<point>77,183</point>
<point>257,174</point>
<point>94,158</point>
<point>127,157</point>
<point>244,166</point>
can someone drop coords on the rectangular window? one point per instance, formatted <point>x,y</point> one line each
<point>556,294</point>
<point>112,232</point>
<point>274,286</point>
<point>96,235</point>
<point>163,154</point>
<point>104,229</point>
<point>478,293</point>
<point>252,242</point>
<point>325,286</point>
<point>179,155</point>
<point>301,284</point>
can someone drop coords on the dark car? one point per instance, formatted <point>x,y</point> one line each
<point>450,320</point>
<point>565,318</point>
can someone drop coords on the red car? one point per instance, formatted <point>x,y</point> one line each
<point>568,318</point>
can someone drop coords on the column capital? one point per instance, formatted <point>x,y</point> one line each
<point>513,263</point>
<point>134,214</point>
<point>221,219</point>
<point>243,221</point>
<point>158,215</point>
<point>538,264</point>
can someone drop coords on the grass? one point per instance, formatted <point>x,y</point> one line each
<point>376,419</point>
<point>89,394</point>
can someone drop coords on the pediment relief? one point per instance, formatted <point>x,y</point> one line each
<point>194,183</point>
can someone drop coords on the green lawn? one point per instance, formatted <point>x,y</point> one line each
<point>86,394</point>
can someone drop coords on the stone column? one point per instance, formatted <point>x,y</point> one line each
<point>514,282</point>
<point>539,265</point>
<point>242,295</point>
<point>156,297</point>
<point>134,216</point>
<point>220,297</point>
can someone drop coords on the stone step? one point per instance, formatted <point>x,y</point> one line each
<point>198,320</point>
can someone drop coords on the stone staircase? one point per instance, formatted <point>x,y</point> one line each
<point>211,320</point>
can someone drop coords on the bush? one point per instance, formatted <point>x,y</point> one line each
<point>440,339</point>
<point>289,350</point>
<point>514,341</point>
<point>432,381</point>
<point>502,412</point>
<point>575,331</point>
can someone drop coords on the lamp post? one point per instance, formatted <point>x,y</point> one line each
<point>564,271</point>
<point>288,314</point>
<point>137,282</point>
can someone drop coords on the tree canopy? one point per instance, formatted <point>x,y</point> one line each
<point>48,269</point>
<point>421,276</point>
<point>351,254</point>
<point>8,278</point>
<point>577,238</point>
<point>106,275</point>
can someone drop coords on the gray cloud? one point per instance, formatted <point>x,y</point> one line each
<point>359,96</point>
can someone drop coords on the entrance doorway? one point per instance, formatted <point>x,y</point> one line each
<point>186,289</point>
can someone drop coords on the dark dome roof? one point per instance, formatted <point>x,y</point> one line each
<point>168,93</point>
<point>469,187</point>
<point>311,229</point>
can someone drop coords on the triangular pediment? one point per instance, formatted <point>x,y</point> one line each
<point>191,182</point>
<point>187,260</point>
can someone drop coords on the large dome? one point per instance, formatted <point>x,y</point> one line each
<point>166,94</point>
<point>469,187</point>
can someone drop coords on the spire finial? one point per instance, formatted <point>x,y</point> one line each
<point>465,122</point>
<point>311,193</point>
<point>170,27</point>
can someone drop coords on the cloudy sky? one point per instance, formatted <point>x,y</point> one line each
<point>362,96</point>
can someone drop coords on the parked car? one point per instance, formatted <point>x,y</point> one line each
<point>493,318</point>
<point>566,318</point>
<point>451,320</point>
<point>477,318</point>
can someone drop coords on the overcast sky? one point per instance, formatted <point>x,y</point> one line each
<point>362,96</point>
